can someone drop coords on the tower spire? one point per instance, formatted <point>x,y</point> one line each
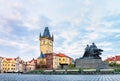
<point>46,32</point>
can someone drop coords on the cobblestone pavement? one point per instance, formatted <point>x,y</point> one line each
<point>24,77</point>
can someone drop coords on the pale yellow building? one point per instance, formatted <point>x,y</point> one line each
<point>63,59</point>
<point>56,63</point>
<point>9,65</point>
<point>12,65</point>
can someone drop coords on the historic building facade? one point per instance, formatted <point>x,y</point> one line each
<point>52,61</point>
<point>12,65</point>
<point>46,47</point>
<point>41,61</point>
<point>115,59</point>
<point>64,60</point>
<point>48,59</point>
<point>31,65</point>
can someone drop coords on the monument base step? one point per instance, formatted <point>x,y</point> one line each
<point>91,63</point>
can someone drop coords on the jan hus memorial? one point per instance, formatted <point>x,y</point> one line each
<point>91,58</point>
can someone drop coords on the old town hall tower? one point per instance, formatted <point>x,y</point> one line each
<point>46,41</point>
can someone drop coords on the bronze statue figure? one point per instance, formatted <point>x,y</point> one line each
<point>92,52</point>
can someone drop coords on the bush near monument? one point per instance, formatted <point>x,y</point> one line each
<point>114,65</point>
<point>36,71</point>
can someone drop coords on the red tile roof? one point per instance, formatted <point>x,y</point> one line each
<point>63,55</point>
<point>116,58</point>
<point>33,60</point>
<point>8,59</point>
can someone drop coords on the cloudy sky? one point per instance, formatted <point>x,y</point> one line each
<point>74,23</point>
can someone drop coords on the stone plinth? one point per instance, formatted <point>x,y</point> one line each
<point>90,63</point>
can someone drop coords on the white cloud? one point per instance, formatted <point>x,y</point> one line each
<point>87,2</point>
<point>23,48</point>
<point>17,44</point>
<point>117,36</point>
<point>74,49</point>
<point>104,44</point>
<point>34,15</point>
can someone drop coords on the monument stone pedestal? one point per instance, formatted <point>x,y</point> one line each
<point>91,63</point>
<point>91,58</point>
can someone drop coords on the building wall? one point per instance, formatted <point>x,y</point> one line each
<point>21,66</point>
<point>71,61</point>
<point>46,45</point>
<point>12,65</point>
<point>49,61</point>
<point>31,65</point>
<point>30,68</point>
<point>118,62</point>
<point>56,61</point>
<point>41,63</point>
<point>8,65</point>
<point>0,64</point>
<point>64,60</point>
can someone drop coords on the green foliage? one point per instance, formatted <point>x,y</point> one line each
<point>80,69</point>
<point>114,64</point>
<point>37,71</point>
<point>117,70</point>
<point>71,66</point>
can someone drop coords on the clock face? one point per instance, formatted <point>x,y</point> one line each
<point>46,42</point>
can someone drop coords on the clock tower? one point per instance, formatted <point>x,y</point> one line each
<point>46,41</point>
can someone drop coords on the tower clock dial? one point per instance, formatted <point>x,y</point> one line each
<point>46,42</point>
